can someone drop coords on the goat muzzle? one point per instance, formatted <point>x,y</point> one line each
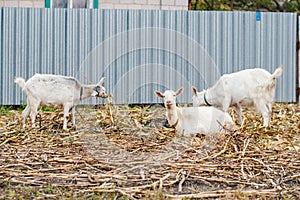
<point>169,105</point>
<point>102,95</point>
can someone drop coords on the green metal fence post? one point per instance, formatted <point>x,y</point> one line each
<point>47,3</point>
<point>96,4</point>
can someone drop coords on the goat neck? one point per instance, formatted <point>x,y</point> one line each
<point>208,97</point>
<point>87,91</point>
<point>173,115</point>
<point>205,99</point>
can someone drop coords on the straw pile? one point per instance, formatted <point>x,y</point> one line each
<point>128,151</point>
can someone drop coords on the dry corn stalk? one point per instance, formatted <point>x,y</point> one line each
<point>108,112</point>
<point>139,157</point>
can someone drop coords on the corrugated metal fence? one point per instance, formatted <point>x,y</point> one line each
<point>140,51</point>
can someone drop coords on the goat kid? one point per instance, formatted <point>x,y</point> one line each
<point>191,120</point>
<point>248,87</point>
<point>56,91</point>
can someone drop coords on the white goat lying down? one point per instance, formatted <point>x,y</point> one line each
<point>248,87</point>
<point>55,91</point>
<point>191,120</point>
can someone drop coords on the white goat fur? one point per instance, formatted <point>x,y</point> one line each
<point>191,120</point>
<point>248,87</point>
<point>56,91</point>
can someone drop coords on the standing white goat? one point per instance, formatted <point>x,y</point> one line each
<point>191,120</point>
<point>55,91</point>
<point>250,86</point>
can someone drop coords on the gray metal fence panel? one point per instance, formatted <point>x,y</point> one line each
<point>140,51</point>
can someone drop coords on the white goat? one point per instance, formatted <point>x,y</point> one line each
<point>247,87</point>
<point>191,120</point>
<point>55,91</point>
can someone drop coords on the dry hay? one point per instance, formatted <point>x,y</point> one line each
<point>130,151</point>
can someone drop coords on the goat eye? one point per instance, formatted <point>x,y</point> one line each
<point>97,89</point>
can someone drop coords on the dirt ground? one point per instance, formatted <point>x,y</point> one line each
<point>130,152</point>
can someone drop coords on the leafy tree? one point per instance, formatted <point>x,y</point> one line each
<point>262,5</point>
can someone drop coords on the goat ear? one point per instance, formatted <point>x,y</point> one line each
<point>179,91</point>
<point>101,81</point>
<point>194,90</point>
<point>159,94</point>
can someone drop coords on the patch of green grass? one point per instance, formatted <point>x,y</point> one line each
<point>70,138</point>
<point>19,191</point>
<point>48,109</point>
<point>155,194</point>
<point>22,105</point>
<point>49,189</point>
<point>11,192</point>
<point>5,110</point>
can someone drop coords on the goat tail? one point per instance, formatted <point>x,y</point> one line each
<point>21,82</point>
<point>269,87</point>
<point>277,72</point>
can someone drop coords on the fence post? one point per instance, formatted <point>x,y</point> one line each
<point>47,3</point>
<point>96,4</point>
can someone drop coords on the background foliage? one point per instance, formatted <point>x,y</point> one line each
<point>259,5</point>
